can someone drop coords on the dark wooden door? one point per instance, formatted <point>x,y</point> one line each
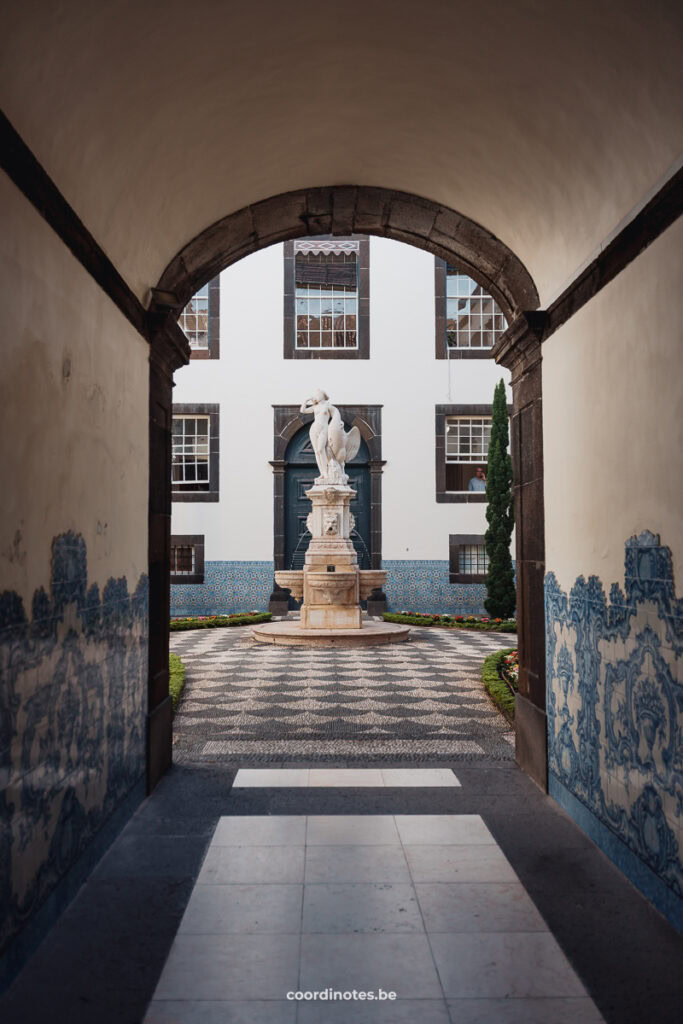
<point>300,475</point>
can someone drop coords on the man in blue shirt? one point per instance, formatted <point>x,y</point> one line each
<point>478,482</point>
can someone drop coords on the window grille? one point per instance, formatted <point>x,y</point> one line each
<point>194,319</point>
<point>474,320</point>
<point>473,560</point>
<point>326,282</point>
<point>191,453</point>
<point>183,560</point>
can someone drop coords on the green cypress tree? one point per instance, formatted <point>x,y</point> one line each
<point>500,582</point>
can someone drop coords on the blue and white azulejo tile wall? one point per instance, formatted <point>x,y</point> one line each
<point>423,586</point>
<point>420,586</point>
<point>615,717</point>
<point>73,700</point>
<point>228,587</point>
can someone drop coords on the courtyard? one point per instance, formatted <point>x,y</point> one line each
<point>423,699</point>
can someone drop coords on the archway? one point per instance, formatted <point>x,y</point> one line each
<point>343,210</point>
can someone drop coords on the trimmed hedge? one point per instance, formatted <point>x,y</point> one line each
<point>215,621</point>
<point>449,622</point>
<point>176,679</point>
<point>496,687</point>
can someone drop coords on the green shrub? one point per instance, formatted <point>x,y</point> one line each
<point>215,621</point>
<point>176,679</point>
<point>500,579</point>
<point>446,622</point>
<point>496,687</point>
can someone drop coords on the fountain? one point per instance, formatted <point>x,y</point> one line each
<point>330,583</point>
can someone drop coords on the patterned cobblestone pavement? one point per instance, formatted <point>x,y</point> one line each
<point>246,701</point>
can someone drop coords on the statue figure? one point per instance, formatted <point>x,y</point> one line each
<point>333,446</point>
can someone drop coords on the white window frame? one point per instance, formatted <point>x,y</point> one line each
<point>472,301</point>
<point>303,296</point>
<point>184,451</point>
<point>468,458</point>
<point>197,307</point>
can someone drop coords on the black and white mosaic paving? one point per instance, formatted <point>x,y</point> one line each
<point>247,701</point>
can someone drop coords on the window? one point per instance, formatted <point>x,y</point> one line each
<point>467,446</point>
<point>194,475</point>
<point>326,298</point>
<point>200,321</point>
<point>326,280</point>
<point>187,558</point>
<point>468,561</point>
<point>473,319</point>
<point>191,453</point>
<point>194,319</point>
<point>473,560</point>
<point>182,559</point>
<point>469,321</point>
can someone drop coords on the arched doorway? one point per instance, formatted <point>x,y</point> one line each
<point>300,473</point>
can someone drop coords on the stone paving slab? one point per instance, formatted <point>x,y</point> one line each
<point>246,702</point>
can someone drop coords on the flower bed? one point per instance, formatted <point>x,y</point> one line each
<point>501,692</point>
<point>509,669</point>
<point>453,621</point>
<point>215,621</point>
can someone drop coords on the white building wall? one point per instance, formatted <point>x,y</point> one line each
<point>402,375</point>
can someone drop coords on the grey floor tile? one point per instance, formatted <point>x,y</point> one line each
<point>398,1011</point>
<point>240,967</point>
<point>399,963</point>
<point>442,829</point>
<point>478,907</point>
<point>224,865</point>
<point>262,830</point>
<point>419,777</point>
<point>263,777</point>
<point>221,1012</point>
<point>351,830</point>
<point>513,965</point>
<point>351,777</point>
<point>355,864</point>
<point>249,909</point>
<point>380,907</point>
<point>524,1011</point>
<point>464,863</point>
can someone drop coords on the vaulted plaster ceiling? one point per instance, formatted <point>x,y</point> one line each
<point>547,121</point>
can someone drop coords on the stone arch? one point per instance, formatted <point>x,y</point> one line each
<point>345,210</point>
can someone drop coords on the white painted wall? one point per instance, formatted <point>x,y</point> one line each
<point>74,401</point>
<point>402,375</point>
<point>613,419</point>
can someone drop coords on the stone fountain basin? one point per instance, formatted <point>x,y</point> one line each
<point>331,587</point>
<point>371,579</point>
<point>291,580</point>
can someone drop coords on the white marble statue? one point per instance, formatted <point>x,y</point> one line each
<point>333,446</point>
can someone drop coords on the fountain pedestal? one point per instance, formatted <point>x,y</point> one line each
<point>331,584</point>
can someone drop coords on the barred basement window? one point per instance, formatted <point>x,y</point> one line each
<point>326,294</point>
<point>474,320</point>
<point>187,558</point>
<point>182,559</point>
<point>194,319</point>
<point>190,453</point>
<point>473,560</point>
<point>467,445</point>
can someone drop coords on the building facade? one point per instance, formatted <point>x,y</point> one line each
<point>401,342</point>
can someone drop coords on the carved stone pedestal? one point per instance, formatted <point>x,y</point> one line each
<point>331,584</point>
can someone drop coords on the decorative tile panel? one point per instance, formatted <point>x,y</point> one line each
<point>228,587</point>
<point>73,699</point>
<point>615,711</point>
<point>423,586</point>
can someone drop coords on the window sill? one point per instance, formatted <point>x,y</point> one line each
<point>327,353</point>
<point>461,577</point>
<point>461,497</point>
<point>465,353</point>
<point>194,495</point>
<point>190,577</point>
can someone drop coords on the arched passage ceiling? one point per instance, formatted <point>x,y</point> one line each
<point>546,122</point>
